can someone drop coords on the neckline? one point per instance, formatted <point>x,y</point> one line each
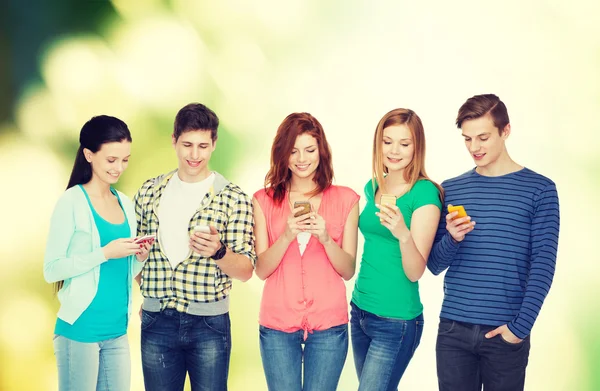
<point>290,206</point>
<point>95,212</point>
<point>475,173</point>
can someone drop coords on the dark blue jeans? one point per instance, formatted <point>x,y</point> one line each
<point>324,355</point>
<point>382,347</point>
<point>466,360</point>
<point>174,343</point>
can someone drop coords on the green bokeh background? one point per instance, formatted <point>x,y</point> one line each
<point>347,63</point>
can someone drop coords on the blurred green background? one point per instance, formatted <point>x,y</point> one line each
<point>347,63</point>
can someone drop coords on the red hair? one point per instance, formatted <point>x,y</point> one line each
<point>278,178</point>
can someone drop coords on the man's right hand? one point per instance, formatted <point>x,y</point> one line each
<point>460,227</point>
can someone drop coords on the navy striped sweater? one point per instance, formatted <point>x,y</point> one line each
<point>502,271</point>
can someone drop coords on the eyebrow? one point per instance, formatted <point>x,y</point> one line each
<point>191,143</point>
<point>310,146</point>
<point>402,139</point>
<point>480,134</point>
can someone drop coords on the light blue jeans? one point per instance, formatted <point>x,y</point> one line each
<point>323,355</point>
<point>382,348</point>
<point>96,366</point>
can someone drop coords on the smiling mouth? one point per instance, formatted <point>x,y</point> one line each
<point>392,160</point>
<point>302,167</point>
<point>193,163</point>
<point>478,156</point>
<point>113,175</point>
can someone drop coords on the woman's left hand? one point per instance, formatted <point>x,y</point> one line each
<point>317,227</point>
<point>142,254</point>
<point>391,218</point>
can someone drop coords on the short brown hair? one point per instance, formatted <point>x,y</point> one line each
<point>196,116</point>
<point>480,105</point>
<point>278,178</point>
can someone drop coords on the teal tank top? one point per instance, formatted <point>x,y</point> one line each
<point>106,316</point>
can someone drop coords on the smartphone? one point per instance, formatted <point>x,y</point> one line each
<point>457,208</point>
<point>145,239</point>
<point>202,228</point>
<point>387,199</point>
<point>305,205</point>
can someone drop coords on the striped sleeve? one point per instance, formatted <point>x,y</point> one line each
<point>544,246</point>
<point>444,248</point>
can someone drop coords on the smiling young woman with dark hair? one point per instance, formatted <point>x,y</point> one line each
<point>91,258</point>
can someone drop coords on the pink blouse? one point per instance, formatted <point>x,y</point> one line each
<point>305,292</point>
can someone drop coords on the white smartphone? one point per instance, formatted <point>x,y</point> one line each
<point>202,228</point>
<point>143,239</point>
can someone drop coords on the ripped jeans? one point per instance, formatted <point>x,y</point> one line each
<point>175,344</point>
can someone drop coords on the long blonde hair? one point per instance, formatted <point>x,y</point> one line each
<point>416,168</point>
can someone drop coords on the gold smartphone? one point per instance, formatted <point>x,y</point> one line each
<point>457,208</point>
<point>305,205</point>
<point>388,199</point>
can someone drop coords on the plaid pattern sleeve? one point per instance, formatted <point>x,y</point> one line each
<point>198,278</point>
<point>239,234</point>
<point>139,199</point>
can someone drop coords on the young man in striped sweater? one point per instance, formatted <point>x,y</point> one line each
<point>500,270</point>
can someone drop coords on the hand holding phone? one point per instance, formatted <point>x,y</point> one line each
<point>459,225</point>
<point>305,208</point>
<point>145,239</point>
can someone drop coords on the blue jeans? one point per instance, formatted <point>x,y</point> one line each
<point>93,366</point>
<point>175,343</point>
<point>466,360</point>
<point>323,355</point>
<point>382,347</point>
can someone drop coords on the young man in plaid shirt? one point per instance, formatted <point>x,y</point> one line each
<point>203,225</point>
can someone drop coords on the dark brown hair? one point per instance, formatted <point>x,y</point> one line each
<point>278,178</point>
<point>196,116</point>
<point>480,105</point>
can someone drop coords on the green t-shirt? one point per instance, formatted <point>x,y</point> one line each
<point>382,288</point>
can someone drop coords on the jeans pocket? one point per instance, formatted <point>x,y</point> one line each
<point>446,326</point>
<point>148,319</point>
<point>419,325</point>
<point>500,338</point>
<point>218,323</point>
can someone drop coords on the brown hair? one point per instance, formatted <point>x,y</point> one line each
<point>416,168</point>
<point>194,117</point>
<point>480,105</point>
<point>278,178</point>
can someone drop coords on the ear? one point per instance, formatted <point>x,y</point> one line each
<point>173,140</point>
<point>505,132</point>
<point>214,145</point>
<point>87,154</point>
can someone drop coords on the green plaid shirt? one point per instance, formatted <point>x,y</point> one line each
<point>197,278</point>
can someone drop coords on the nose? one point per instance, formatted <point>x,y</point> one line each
<point>195,153</point>
<point>474,146</point>
<point>302,156</point>
<point>395,148</point>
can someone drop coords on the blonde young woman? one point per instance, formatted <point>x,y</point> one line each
<point>399,223</point>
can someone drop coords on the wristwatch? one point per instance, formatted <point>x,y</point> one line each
<point>220,252</point>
